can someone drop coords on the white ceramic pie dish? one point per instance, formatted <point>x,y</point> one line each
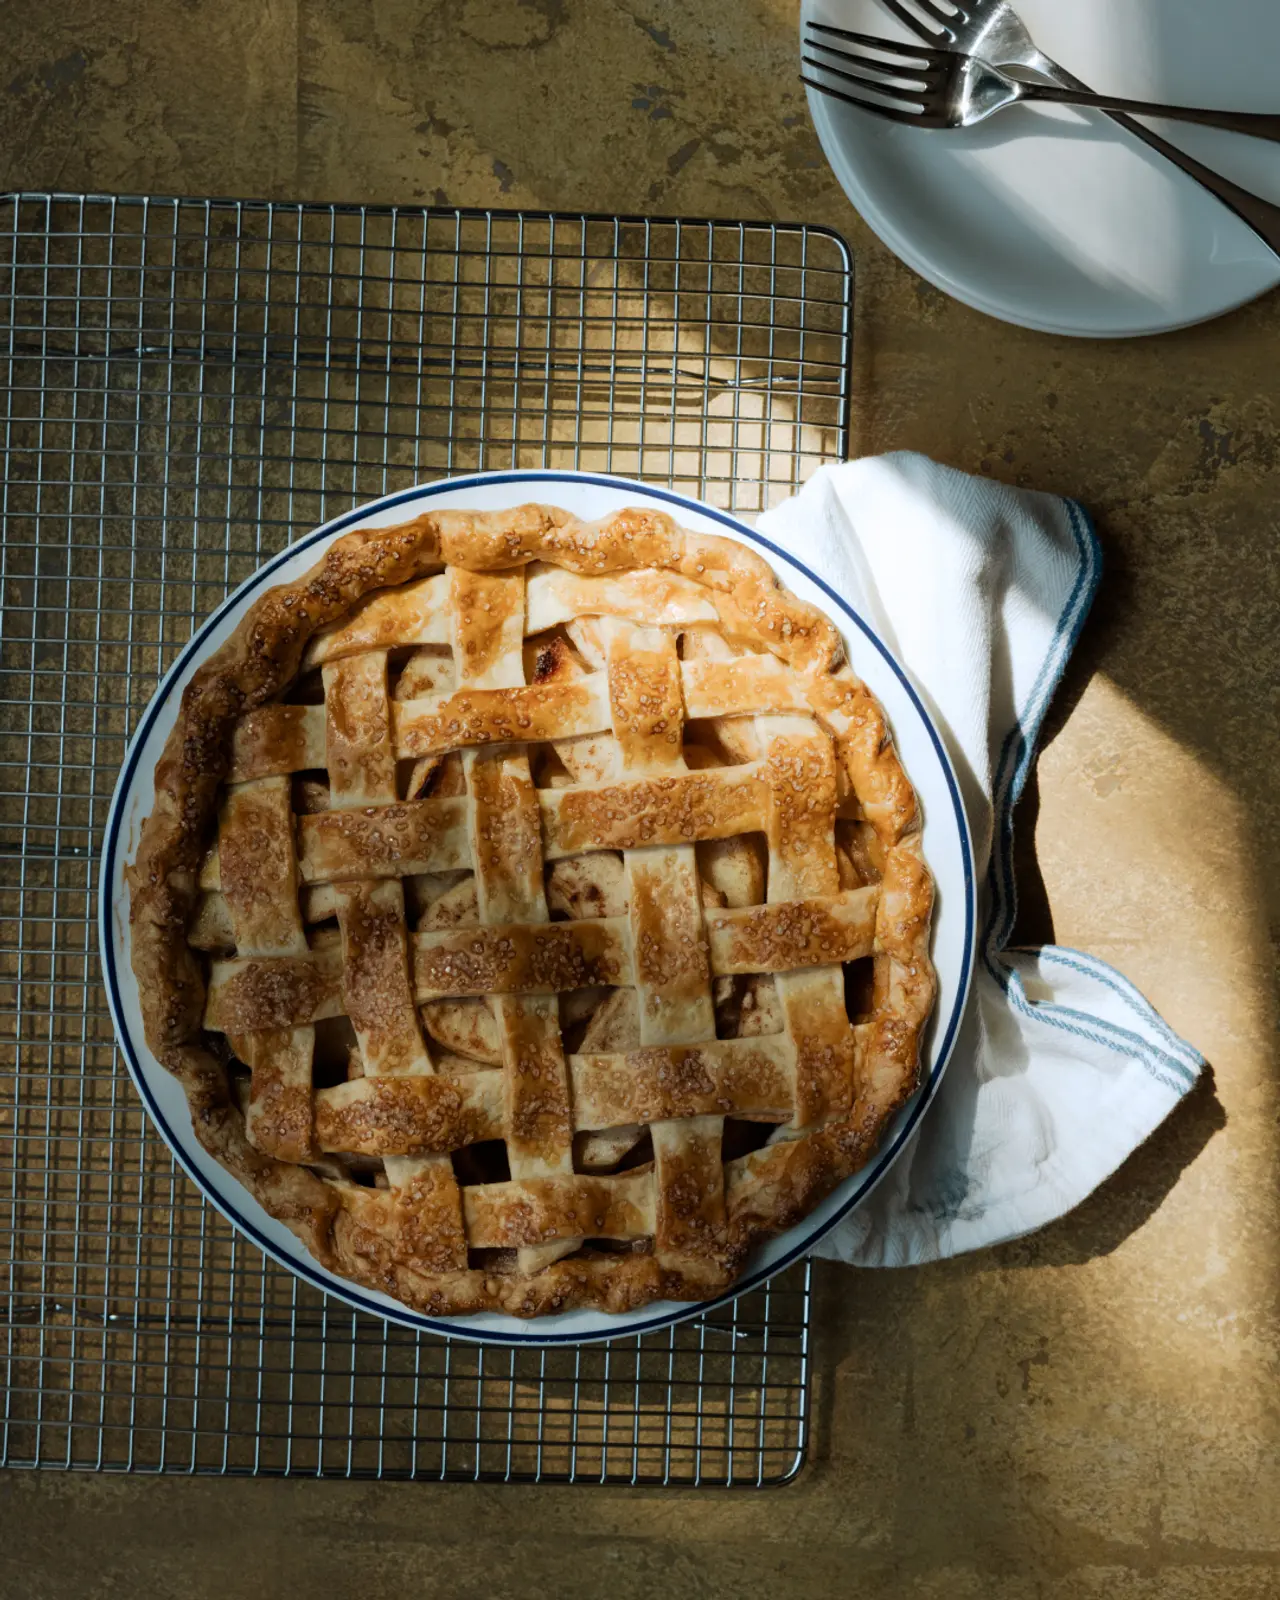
<point>947,846</point>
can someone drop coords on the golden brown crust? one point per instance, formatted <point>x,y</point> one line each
<point>246,996</point>
<point>378,588</point>
<point>795,933</point>
<point>408,1116</point>
<point>537,1117</point>
<point>384,842</point>
<point>681,809</point>
<point>659,1083</point>
<point>504,1216</point>
<point>521,959</point>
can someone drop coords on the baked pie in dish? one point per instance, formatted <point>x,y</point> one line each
<point>533,910</point>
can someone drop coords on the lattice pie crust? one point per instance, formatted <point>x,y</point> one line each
<point>533,910</point>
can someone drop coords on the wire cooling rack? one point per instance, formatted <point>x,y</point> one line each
<point>188,386</point>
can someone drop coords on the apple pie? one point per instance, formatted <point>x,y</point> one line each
<point>533,910</point>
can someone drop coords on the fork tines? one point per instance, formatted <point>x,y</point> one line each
<point>892,79</point>
<point>943,29</point>
<point>918,53</point>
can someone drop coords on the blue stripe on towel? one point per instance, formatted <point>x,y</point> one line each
<point>1175,1066</point>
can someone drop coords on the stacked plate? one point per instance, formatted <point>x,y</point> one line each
<point>1056,218</point>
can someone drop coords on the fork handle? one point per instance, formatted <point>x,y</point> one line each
<point>1259,124</point>
<point>1261,215</point>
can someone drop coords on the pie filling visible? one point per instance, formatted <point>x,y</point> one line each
<point>534,910</point>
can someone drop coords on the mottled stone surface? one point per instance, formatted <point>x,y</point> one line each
<point>1096,1411</point>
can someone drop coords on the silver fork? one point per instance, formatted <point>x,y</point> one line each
<point>994,30</point>
<point>952,89</point>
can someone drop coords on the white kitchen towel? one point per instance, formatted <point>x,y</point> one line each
<point>1060,1068</point>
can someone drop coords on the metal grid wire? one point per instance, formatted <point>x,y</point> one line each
<point>188,386</point>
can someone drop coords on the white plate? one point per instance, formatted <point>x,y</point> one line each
<point>1057,219</point>
<point>946,841</point>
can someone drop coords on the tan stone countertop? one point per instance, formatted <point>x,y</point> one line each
<point>1095,1410</point>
